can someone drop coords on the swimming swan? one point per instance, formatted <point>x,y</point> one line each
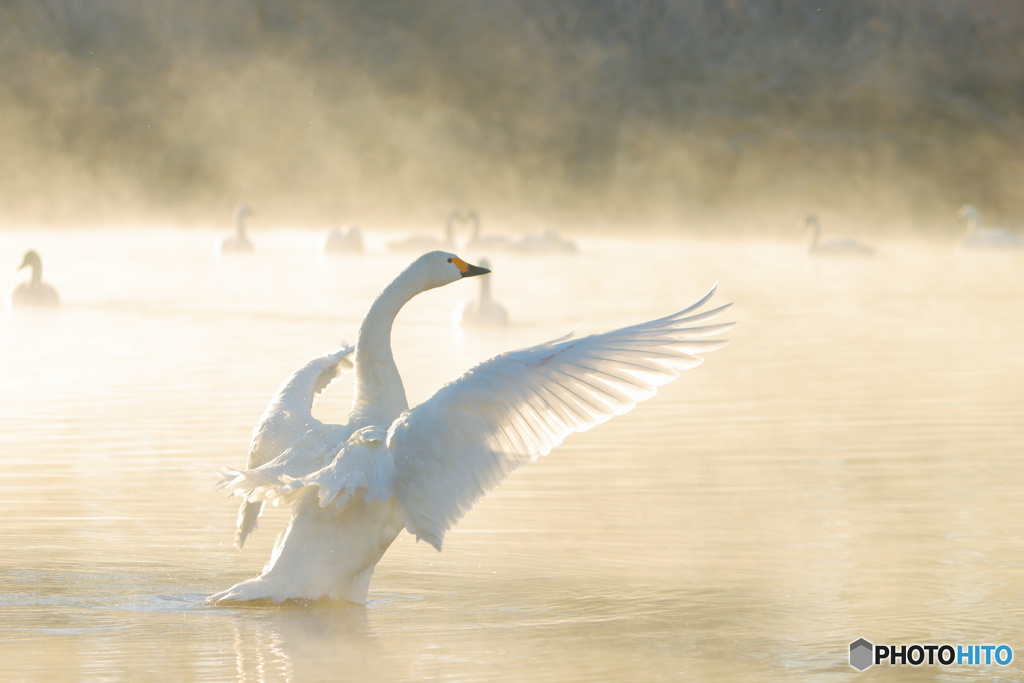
<point>547,242</point>
<point>480,242</point>
<point>288,417</point>
<point>35,292</point>
<point>483,310</point>
<point>348,240</point>
<point>239,242</point>
<point>832,247</point>
<point>420,243</point>
<point>391,468</point>
<point>985,238</point>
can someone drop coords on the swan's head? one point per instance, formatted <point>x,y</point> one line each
<point>439,268</point>
<point>31,260</point>
<point>241,211</point>
<point>809,221</point>
<point>968,211</point>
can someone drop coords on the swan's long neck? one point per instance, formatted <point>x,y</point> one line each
<point>815,233</point>
<point>972,224</point>
<point>37,272</point>
<point>240,224</point>
<point>379,393</point>
<point>485,292</point>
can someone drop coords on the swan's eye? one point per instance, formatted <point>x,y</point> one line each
<point>449,260</point>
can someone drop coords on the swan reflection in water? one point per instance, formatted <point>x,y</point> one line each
<point>306,642</point>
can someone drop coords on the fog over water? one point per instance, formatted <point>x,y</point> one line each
<point>849,466</point>
<point>693,116</point>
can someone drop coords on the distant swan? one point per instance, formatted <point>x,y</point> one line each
<point>239,242</point>
<point>355,488</point>
<point>419,243</point>
<point>483,310</point>
<point>35,292</point>
<point>347,240</point>
<point>480,242</point>
<point>832,247</point>
<point>985,238</point>
<point>547,242</point>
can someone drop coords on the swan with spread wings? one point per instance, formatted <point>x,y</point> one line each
<point>354,488</point>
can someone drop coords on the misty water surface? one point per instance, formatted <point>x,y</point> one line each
<point>849,466</point>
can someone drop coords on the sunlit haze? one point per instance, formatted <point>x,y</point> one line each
<point>849,466</point>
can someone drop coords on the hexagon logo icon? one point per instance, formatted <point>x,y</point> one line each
<point>861,654</point>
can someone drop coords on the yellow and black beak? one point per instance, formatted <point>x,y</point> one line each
<point>468,270</point>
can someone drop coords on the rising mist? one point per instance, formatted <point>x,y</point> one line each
<point>670,113</point>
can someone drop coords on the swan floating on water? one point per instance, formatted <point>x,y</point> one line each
<point>986,238</point>
<point>484,310</point>
<point>354,488</point>
<point>421,242</point>
<point>35,292</point>
<point>834,247</point>
<point>347,240</point>
<point>548,242</point>
<point>480,242</point>
<point>239,242</point>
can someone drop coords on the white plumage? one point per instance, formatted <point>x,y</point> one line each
<point>479,242</point>
<point>239,242</point>
<point>978,237</point>
<point>838,246</point>
<point>483,310</point>
<point>547,242</point>
<point>288,422</point>
<point>422,469</point>
<point>347,240</point>
<point>35,292</point>
<point>422,242</point>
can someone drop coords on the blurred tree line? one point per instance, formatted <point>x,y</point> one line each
<point>672,112</point>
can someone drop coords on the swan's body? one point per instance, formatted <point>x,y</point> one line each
<point>239,242</point>
<point>347,240</point>
<point>421,243</point>
<point>422,469</point>
<point>481,243</point>
<point>843,246</point>
<point>986,238</point>
<point>35,292</point>
<point>547,242</point>
<point>483,310</point>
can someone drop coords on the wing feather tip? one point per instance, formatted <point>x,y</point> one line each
<point>424,535</point>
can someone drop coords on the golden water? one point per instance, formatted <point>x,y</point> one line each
<point>851,465</point>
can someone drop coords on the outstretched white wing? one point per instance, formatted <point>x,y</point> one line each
<point>290,412</point>
<point>462,442</point>
<point>288,417</point>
